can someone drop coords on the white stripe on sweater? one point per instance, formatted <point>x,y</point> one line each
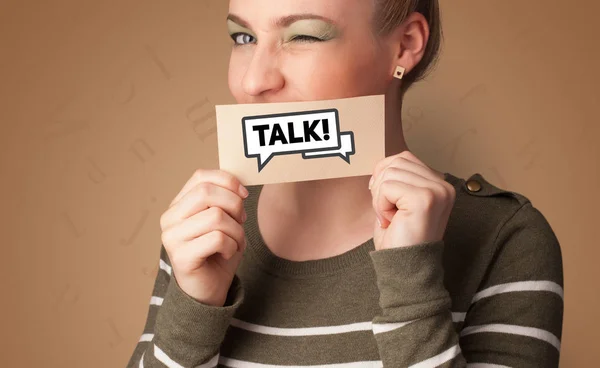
<point>163,358</point>
<point>458,317</point>
<point>327,330</point>
<point>519,286</point>
<point>211,363</point>
<point>163,265</point>
<point>301,331</point>
<point>234,363</point>
<point>486,365</point>
<point>147,337</point>
<point>385,327</point>
<point>516,330</point>
<point>438,359</point>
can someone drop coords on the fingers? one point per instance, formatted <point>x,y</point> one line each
<point>408,161</point>
<point>218,177</point>
<point>207,213</point>
<point>401,196</point>
<point>400,189</point>
<point>203,196</point>
<point>389,198</point>
<point>394,174</point>
<point>199,225</point>
<point>195,253</point>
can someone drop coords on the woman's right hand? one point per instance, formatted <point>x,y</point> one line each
<point>203,234</point>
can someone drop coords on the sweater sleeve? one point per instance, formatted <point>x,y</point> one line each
<point>180,331</point>
<point>518,304</point>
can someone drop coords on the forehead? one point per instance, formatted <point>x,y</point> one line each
<point>264,13</point>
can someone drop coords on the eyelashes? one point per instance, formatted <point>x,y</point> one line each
<point>305,38</point>
<point>245,36</point>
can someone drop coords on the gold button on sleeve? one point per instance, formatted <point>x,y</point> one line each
<point>473,185</point>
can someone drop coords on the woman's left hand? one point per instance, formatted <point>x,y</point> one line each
<point>412,201</point>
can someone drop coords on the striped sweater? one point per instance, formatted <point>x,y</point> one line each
<point>490,294</point>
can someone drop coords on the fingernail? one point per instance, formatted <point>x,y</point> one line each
<point>243,191</point>
<point>244,216</point>
<point>378,222</point>
<point>371,182</point>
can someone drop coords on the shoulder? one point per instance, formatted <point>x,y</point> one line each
<point>513,207</point>
<point>480,201</point>
<point>498,233</point>
<point>479,186</point>
<point>505,220</point>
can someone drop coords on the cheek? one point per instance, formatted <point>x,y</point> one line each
<point>235,75</point>
<point>331,75</point>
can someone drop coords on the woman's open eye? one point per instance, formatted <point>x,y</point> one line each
<point>305,38</point>
<point>241,38</point>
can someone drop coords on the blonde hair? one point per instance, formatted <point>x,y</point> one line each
<point>389,14</point>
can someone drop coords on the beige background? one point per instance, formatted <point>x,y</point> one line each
<point>106,112</point>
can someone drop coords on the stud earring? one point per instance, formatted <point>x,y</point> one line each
<point>399,73</point>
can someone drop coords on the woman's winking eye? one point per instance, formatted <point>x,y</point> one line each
<point>304,31</point>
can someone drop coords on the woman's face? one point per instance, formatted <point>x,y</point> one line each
<point>299,50</point>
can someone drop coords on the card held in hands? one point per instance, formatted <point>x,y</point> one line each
<point>267,143</point>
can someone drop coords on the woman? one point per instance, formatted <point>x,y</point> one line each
<point>407,267</point>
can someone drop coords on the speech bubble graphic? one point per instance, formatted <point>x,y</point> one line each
<point>347,149</point>
<point>313,133</point>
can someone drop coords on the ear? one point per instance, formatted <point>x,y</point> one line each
<point>408,41</point>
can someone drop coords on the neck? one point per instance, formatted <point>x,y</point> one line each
<point>340,202</point>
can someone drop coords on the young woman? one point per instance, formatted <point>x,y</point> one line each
<point>407,267</point>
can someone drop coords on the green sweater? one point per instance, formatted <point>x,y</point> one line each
<point>490,294</point>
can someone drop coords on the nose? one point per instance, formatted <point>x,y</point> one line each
<point>263,74</point>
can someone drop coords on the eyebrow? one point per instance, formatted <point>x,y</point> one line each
<point>283,21</point>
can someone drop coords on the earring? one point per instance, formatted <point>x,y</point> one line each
<point>399,73</point>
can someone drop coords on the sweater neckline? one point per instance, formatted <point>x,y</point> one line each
<point>357,256</point>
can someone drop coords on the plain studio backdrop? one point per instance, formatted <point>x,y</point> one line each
<point>108,107</point>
